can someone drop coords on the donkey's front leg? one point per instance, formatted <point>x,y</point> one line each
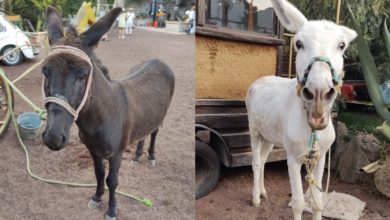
<point>112,183</point>
<point>317,194</point>
<point>297,200</point>
<point>99,173</point>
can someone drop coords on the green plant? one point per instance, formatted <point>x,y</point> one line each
<point>370,72</point>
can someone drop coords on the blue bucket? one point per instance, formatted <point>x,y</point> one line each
<point>29,124</point>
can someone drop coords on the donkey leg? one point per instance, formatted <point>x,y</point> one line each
<point>112,183</point>
<point>138,152</point>
<point>266,148</point>
<point>297,200</point>
<point>151,158</point>
<point>99,173</point>
<point>256,167</point>
<point>317,194</point>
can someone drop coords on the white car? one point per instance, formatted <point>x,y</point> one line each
<point>10,37</point>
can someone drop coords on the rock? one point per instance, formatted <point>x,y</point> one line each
<point>360,151</point>
<point>382,180</point>
<point>371,147</point>
<point>341,137</point>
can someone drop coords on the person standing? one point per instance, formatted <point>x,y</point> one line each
<point>130,21</point>
<point>121,24</point>
<point>191,17</point>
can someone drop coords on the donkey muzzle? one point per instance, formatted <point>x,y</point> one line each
<point>54,141</point>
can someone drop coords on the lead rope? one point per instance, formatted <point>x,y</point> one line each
<point>148,203</point>
<point>310,160</point>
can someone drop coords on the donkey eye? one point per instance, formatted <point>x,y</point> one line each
<point>341,46</point>
<point>299,45</point>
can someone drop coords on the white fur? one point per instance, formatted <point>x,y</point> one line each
<point>278,116</point>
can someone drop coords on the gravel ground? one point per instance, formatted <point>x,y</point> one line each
<point>231,199</point>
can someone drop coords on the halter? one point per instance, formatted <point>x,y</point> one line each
<point>60,99</point>
<point>335,77</point>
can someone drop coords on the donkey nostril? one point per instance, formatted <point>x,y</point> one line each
<point>63,139</point>
<point>307,94</point>
<point>330,94</point>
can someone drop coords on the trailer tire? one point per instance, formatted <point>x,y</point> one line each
<point>208,167</point>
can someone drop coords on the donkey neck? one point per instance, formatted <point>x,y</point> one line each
<point>105,99</point>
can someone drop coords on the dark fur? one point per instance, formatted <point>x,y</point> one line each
<point>116,113</point>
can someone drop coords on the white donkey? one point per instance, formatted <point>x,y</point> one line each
<point>286,112</point>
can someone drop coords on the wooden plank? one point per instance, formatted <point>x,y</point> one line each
<point>245,159</point>
<point>241,36</point>
<point>218,121</point>
<point>219,109</point>
<point>237,140</point>
<point>219,102</point>
<point>201,12</point>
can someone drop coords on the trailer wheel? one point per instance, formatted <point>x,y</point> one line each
<point>207,170</point>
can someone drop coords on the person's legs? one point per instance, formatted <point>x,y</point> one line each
<point>130,28</point>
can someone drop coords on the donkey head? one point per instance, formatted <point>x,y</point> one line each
<point>320,46</point>
<point>66,74</point>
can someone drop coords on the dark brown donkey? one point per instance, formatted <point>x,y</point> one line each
<point>114,114</point>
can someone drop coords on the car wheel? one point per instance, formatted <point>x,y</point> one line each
<point>13,57</point>
<point>207,171</point>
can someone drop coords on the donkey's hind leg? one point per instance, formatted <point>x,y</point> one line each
<point>256,167</point>
<point>260,151</point>
<point>266,148</point>
<point>152,158</point>
<point>138,152</point>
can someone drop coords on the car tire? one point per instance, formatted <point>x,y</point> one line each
<point>208,168</point>
<point>14,58</point>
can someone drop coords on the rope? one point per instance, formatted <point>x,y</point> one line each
<point>310,160</point>
<point>148,203</point>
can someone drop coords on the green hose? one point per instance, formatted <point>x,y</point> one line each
<point>144,201</point>
<point>148,203</point>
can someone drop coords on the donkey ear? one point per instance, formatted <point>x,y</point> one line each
<point>92,36</point>
<point>54,25</point>
<point>290,17</point>
<point>349,34</point>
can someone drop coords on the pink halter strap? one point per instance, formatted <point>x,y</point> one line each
<point>60,99</point>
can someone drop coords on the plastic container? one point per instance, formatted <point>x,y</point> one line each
<point>29,124</point>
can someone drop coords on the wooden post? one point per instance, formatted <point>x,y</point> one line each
<point>338,11</point>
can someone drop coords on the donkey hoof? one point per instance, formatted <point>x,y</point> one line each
<point>134,162</point>
<point>256,203</point>
<point>110,218</point>
<point>152,163</point>
<point>93,204</point>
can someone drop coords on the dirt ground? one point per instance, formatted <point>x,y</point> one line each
<point>231,199</point>
<point>169,185</point>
